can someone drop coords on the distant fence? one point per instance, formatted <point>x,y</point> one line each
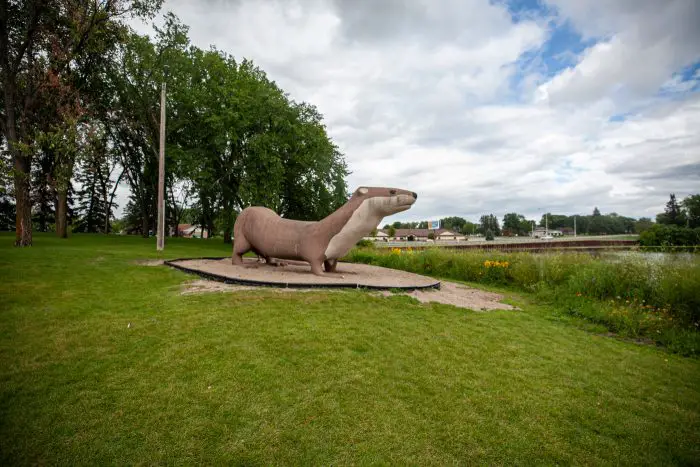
<point>542,245</point>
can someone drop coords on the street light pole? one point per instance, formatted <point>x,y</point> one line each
<point>161,174</point>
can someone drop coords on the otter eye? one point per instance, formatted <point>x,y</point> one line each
<point>392,192</point>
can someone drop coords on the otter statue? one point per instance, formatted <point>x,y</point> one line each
<point>322,243</point>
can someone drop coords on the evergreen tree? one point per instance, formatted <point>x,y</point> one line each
<point>672,215</point>
<point>95,185</point>
<point>43,194</point>
<point>489,222</point>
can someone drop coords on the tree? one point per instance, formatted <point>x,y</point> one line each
<point>516,224</point>
<point>673,214</point>
<point>95,205</point>
<point>256,146</point>
<point>455,224</point>
<point>43,193</point>
<point>7,206</point>
<point>42,44</point>
<point>133,120</point>
<point>469,228</point>
<point>596,212</point>
<point>691,205</point>
<point>391,231</point>
<point>489,222</point>
<point>489,234</point>
<point>642,225</point>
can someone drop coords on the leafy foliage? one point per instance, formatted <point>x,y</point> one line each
<point>489,222</point>
<point>661,235</point>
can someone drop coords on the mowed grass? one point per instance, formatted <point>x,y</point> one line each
<point>104,361</point>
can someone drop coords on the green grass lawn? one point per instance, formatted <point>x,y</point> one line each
<point>309,378</point>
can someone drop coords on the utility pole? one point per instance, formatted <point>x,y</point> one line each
<point>161,174</point>
<point>574,225</point>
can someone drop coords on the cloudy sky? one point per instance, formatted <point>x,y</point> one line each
<point>487,106</point>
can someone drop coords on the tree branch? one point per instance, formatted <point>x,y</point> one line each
<point>31,31</point>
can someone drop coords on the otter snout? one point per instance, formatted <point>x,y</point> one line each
<point>415,195</point>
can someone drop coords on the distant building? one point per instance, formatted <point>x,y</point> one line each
<point>380,236</point>
<point>541,232</point>
<point>191,231</point>
<point>444,234</point>
<point>417,235</point>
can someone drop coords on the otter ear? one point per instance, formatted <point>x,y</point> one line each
<point>362,190</point>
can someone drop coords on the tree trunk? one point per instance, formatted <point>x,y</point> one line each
<point>111,201</point>
<point>228,226</point>
<point>62,214</point>
<point>22,166</point>
<point>23,219</point>
<point>145,224</point>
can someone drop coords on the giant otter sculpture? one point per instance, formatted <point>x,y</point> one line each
<point>321,243</point>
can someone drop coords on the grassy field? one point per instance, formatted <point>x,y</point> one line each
<point>104,361</point>
<point>655,297</point>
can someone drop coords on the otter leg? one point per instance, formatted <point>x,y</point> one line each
<point>317,267</point>
<point>241,246</point>
<point>330,265</point>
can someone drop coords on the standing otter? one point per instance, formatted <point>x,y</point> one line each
<point>321,243</point>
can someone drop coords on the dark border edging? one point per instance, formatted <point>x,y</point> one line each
<point>283,285</point>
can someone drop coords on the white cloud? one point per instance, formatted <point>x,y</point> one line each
<point>645,43</point>
<point>418,95</point>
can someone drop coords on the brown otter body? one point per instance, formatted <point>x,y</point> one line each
<point>321,243</point>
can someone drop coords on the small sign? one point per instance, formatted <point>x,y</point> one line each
<point>433,225</point>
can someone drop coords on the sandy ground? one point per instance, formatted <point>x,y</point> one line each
<point>206,286</point>
<point>300,273</point>
<point>460,296</point>
<point>449,293</point>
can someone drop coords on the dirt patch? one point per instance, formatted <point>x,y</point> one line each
<point>206,286</point>
<point>149,262</point>
<point>460,296</point>
<point>299,274</point>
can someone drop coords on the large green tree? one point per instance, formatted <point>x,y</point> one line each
<point>691,205</point>
<point>516,224</point>
<point>43,43</point>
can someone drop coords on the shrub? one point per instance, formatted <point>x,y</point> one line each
<point>364,243</point>
<point>489,234</point>
<point>662,235</point>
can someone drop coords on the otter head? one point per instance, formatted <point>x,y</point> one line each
<point>386,201</point>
